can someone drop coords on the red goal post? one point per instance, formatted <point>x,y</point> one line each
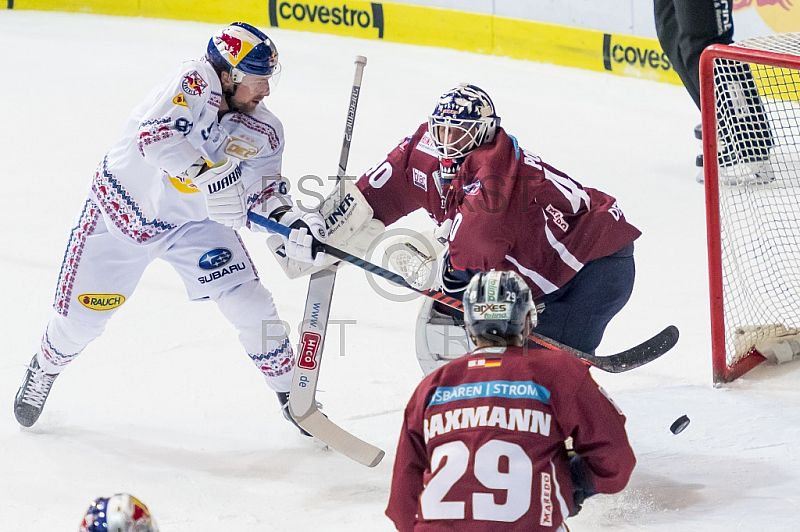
<point>751,144</point>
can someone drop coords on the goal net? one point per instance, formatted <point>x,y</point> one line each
<point>751,131</point>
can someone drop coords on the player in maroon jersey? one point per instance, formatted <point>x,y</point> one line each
<point>483,440</point>
<point>507,209</point>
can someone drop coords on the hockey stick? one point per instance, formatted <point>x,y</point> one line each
<point>632,358</point>
<point>302,398</point>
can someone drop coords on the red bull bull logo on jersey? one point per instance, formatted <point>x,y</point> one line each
<point>193,83</point>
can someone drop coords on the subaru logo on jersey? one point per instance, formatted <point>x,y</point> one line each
<point>216,258</point>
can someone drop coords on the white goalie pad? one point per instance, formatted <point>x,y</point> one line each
<point>438,339</point>
<point>350,225</point>
<point>779,349</point>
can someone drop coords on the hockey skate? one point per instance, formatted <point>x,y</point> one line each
<point>283,399</point>
<point>751,169</point>
<point>30,399</point>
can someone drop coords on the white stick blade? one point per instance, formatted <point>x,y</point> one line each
<point>340,440</point>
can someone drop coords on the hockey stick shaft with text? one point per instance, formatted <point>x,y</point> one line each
<point>302,398</point>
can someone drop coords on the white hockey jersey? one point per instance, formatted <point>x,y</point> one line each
<point>138,183</point>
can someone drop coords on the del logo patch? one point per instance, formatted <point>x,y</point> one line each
<point>421,179</point>
<point>101,302</point>
<point>239,148</point>
<point>193,84</point>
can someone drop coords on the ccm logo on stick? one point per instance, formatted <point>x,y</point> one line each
<point>309,346</point>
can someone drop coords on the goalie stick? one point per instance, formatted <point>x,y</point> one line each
<point>632,358</point>
<point>302,397</point>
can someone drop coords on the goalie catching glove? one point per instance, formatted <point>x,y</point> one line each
<point>222,188</point>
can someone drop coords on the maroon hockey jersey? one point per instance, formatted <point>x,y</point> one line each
<point>510,210</point>
<point>482,444</point>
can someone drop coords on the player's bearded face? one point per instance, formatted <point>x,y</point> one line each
<point>245,96</point>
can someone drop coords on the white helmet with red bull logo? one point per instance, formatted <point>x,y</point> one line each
<point>120,513</point>
<point>496,304</point>
<point>243,50</point>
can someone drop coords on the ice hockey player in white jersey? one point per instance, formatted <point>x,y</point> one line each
<point>195,156</point>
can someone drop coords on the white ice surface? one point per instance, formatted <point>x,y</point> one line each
<point>166,405</point>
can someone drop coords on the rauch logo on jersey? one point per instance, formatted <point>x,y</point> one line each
<point>216,258</point>
<point>331,15</point>
<point>101,302</point>
<point>309,346</point>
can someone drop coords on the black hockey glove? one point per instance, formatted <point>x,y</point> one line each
<point>582,487</point>
<point>454,282</point>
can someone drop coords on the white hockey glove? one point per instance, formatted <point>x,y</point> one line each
<point>352,229</point>
<point>222,187</point>
<point>308,230</point>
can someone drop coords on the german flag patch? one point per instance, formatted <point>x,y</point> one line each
<point>481,363</point>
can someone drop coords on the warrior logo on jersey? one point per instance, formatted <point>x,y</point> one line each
<point>193,84</point>
<point>309,345</point>
<point>101,302</point>
<point>216,258</point>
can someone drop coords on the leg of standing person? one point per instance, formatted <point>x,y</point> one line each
<point>98,274</point>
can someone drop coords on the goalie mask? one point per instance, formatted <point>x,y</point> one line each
<point>496,304</point>
<point>463,119</point>
<point>120,513</point>
<point>246,52</point>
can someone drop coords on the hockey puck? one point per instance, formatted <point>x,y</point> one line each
<point>679,424</point>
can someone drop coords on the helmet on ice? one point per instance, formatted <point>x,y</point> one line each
<point>464,118</point>
<point>243,50</point>
<point>120,513</point>
<point>496,304</point>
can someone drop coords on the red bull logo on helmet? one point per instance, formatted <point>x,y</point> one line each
<point>235,43</point>
<point>230,44</point>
